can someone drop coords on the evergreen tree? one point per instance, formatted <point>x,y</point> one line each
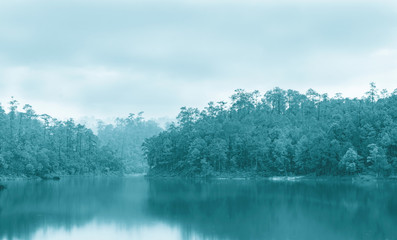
<point>349,162</point>
<point>377,160</point>
<point>282,132</point>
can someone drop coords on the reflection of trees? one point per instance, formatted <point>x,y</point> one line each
<point>211,209</point>
<point>28,206</point>
<point>268,210</point>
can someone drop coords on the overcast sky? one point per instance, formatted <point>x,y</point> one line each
<point>108,58</point>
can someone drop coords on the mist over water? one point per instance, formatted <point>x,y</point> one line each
<point>139,208</point>
<point>250,119</point>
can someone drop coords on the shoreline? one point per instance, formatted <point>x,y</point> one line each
<point>243,177</point>
<point>360,178</point>
<point>57,177</point>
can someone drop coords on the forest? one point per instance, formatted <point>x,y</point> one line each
<point>281,133</point>
<point>38,145</point>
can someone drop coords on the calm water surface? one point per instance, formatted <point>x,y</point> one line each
<point>138,208</point>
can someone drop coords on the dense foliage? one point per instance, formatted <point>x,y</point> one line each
<point>282,132</point>
<point>39,145</point>
<point>125,138</point>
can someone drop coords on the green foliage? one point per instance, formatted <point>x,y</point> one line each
<point>124,140</point>
<point>378,160</point>
<point>281,132</point>
<point>349,162</point>
<point>39,145</point>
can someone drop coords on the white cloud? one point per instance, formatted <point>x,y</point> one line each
<point>385,52</point>
<point>116,57</point>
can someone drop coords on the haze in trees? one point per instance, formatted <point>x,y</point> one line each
<point>282,132</point>
<point>125,138</point>
<point>39,145</point>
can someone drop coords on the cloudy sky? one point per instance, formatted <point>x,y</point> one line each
<point>108,58</point>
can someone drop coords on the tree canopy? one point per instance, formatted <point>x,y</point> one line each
<point>282,132</point>
<point>40,145</point>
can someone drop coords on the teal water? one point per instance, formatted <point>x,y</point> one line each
<point>138,208</point>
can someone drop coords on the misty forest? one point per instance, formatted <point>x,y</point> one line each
<point>39,145</point>
<point>280,133</point>
<point>198,120</point>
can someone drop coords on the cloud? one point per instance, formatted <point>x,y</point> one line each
<point>385,52</point>
<point>109,58</point>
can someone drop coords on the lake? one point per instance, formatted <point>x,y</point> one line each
<point>139,208</point>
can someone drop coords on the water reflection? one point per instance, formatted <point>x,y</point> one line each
<point>124,208</point>
<point>97,231</point>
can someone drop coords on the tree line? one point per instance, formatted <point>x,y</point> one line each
<point>282,132</point>
<point>125,138</point>
<point>34,144</point>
